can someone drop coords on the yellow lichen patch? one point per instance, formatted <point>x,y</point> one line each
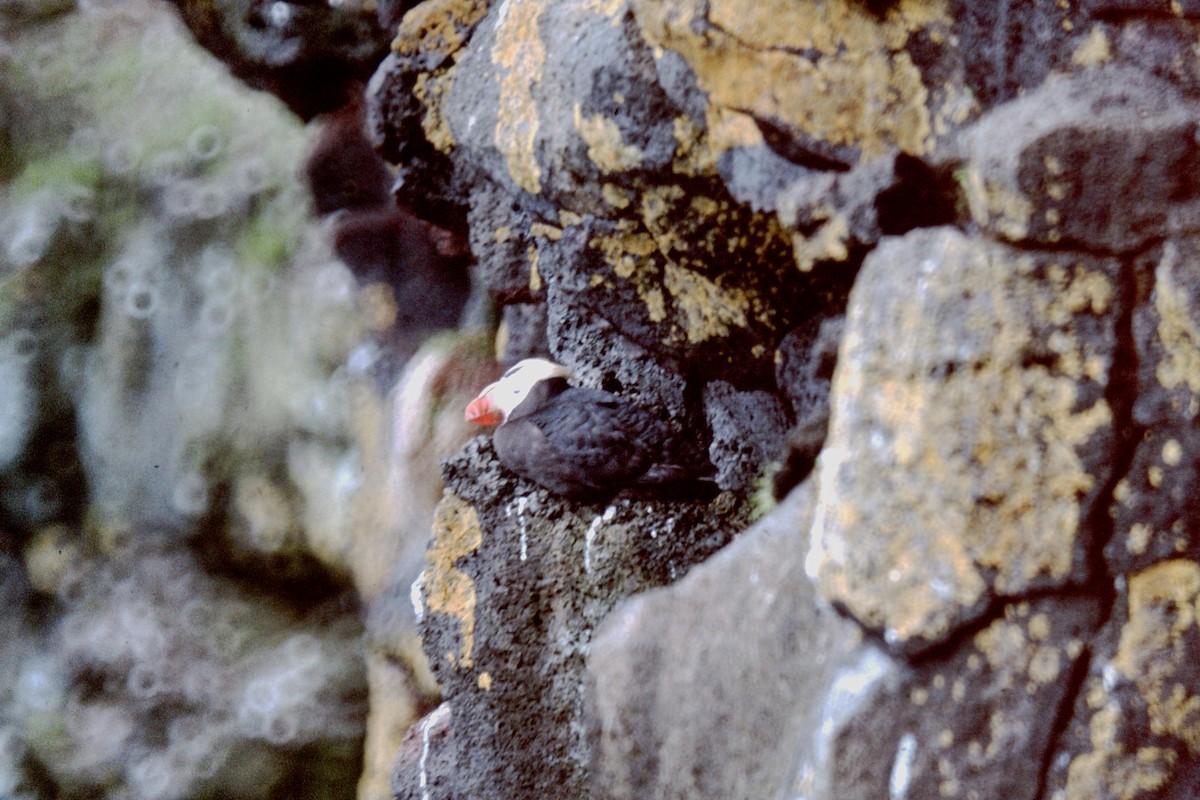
<point>1039,627</point>
<point>1109,770</point>
<point>1177,330</point>
<point>830,242</point>
<point>431,91</point>
<point>861,89</point>
<point>656,308</point>
<point>521,55</point>
<point>535,277</point>
<point>1017,653</point>
<point>702,307</point>
<point>1139,538</point>
<point>966,466</point>
<point>606,148</point>
<point>1045,666</point>
<point>447,589</point>
<point>1157,647</point>
<point>1005,645</point>
<point>958,104</point>
<point>629,256</point>
<point>726,129</point>
<point>1093,50</point>
<point>992,203</point>
<point>545,231</point>
<point>615,196</point>
<point>624,252</point>
<point>706,309</point>
<point>438,26</point>
<point>693,154</point>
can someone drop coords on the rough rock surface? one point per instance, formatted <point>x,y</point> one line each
<point>736,621</point>
<point>954,243</point>
<point>514,584</point>
<point>979,498</point>
<point>950,246</point>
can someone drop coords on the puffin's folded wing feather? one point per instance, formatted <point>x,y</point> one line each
<point>593,437</point>
<point>582,442</point>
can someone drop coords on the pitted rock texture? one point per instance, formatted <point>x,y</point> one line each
<point>514,584</point>
<point>592,183</point>
<point>1166,329</point>
<point>771,59</point>
<point>949,245</point>
<point>750,426</point>
<point>424,768</point>
<point>973,722</point>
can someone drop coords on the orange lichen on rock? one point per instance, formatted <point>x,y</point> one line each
<point>1017,650</point>
<point>1110,770</point>
<point>447,589</point>
<point>606,148</point>
<point>521,55</point>
<point>1158,645</point>
<point>674,258</point>
<point>953,464</point>
<point>858,88</point>
<point>431,91</point>
<point>1155,655</point>
<point>438,26</point>
<point>1178,329</point>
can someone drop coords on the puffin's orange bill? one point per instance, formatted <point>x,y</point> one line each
<point>481,412</point>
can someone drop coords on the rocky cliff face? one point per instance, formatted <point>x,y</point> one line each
<point>983,587</point>
<point>919,281</point>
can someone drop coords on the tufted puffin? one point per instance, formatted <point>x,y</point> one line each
<point>577,442</point>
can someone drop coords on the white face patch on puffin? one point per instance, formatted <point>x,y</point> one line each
<point>497,400</point>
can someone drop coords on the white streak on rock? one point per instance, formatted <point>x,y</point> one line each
<point>902,767</point>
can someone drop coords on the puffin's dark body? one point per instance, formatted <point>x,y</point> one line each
<point>580,442</point>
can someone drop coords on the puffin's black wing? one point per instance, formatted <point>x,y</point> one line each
<point>581,442</point>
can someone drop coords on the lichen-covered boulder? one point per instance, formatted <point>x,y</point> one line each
<point>533,130</point>
<point>971,432</point>
<point>826,706</point>
<point>1099,160</point>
